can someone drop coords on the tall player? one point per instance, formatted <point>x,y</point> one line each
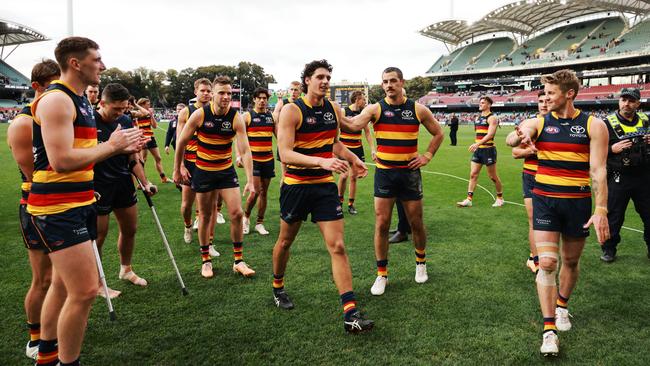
<point>19,138</point>
<point>571,147</point>
<point>260,128</point>
<point>294,93</point>
<point>216,125</point>
<point>147,124</point>
<point>484,153</point>
<point>307,140</point>
<point>529,154</point>
<point>396,121</point>
<point>352,140</point>
<point>62,196</point>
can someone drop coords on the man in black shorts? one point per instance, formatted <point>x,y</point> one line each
<point>19,138</point>
<point>396,121</point>
<point>484,153</point>
<point>352,140</point>
<point>147,123</point>
<point>307,139</point>
<point>61,200</point>
<point>114,183</point>
<point>260,128</point>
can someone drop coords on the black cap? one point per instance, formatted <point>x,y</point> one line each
<point>632,93</point>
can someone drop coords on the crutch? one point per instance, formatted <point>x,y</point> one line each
<point>102,278</point>
<point>160,229</point>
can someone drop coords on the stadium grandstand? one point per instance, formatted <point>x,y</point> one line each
<point>504,54</point>
<point>15,87</point>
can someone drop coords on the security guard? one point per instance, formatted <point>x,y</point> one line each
<point>628,168</point>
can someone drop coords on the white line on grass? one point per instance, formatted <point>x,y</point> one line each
<point>490,193</point>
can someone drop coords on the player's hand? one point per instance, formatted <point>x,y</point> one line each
<point>150,189</point>
<point>239,162</point>
<point>621,146</point>
<point>418,162</point>
<point>126,141</point>
<point>167,150</point>
<point>373,154</point>
<point>249,188</point>
<point>473,147</point>
<point>359,168</point>
<point>524,139</point>
<point>334,165</point>
<point>601,225</point>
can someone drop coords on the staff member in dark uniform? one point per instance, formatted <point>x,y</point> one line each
<point>453,129</point>
<point>170,138</point>
<point>114,183</point>
<point>628,172</point>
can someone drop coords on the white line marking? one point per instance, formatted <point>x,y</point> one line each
<point>490,193</point>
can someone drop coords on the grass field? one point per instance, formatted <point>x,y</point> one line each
<point>478,307</point>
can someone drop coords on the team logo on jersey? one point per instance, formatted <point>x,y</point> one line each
<point>310,120</point>
<point>225,125</point>
<point>269,119</point>
<point>328,116</point>
<point>552,130</point>
<point>208,124</point>
<point>407,114</point>
<point>577,129</point>
<point>389,114</point>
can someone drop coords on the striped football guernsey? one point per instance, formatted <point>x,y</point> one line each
<point>215,136</point>
<point>259,128</point>
<point>192,145</point>
<point>563,153</point>
<point>351,140</point>
<point>481,128</point>
<point>25,185</point>
<point>314,137</point>
<point>145,124</point>
<point>396,131</point>
<point>54,192</point>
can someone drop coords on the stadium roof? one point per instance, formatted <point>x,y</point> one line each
<point>530,16</point>
<point>15,34</point>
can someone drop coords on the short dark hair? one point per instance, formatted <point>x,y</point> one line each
<point>115,92</point>
<point>355,95</point>
<point>202,81</point>
<point>260,90</point>
<point>487,99</point>
<point>311,68</point>
<point>399,72</point>
<point>541,93</point>
<point>222,80</point>
<point>45,71</point>
<point>73,47</point>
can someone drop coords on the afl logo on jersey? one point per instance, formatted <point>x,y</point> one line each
<point>310,120</point>
<point>389,114</point>
<point>208,124</point>
<point>407,114</point>
<point>552,130</point>
<point>256,119</point>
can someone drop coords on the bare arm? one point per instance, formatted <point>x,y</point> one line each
<point>369,139</point>
<point>358,122</point>
<point>431,124</point>
<point>138,171</point>
<point>598,148</point>
<point>277,109</point>
<point>243,149</point>
<point>56,112</point>
<point>521,151</point>
<point>154,123</point>
<point>524,133</point>
<point>19,138</point>
<point>139,112</point>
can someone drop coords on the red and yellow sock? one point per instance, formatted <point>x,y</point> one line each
<point>470,195</point>
<point>549,325</point>
<point>278,282</point>
<point>205,253</point>
<point>350,201</point>
<point>500,195</point>
<point>238,251</point>
<point>34,333</point>
<point>420,256</point>
<point>382,268</point>
<point>562,302</point>
<point>349,304</point>
<point>48,353</point>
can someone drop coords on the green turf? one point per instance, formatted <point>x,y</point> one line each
<point>478,307</point>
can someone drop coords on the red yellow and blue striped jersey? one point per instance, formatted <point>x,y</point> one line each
<point>396,131</point>
<point>192,145</point>
<point>53,192</point>
<point>215,136</point>
<point>26,184</point>
<point>481,127</point>
<point>530,162</point>
<point>145,124</point>
<point>348,138</point>
<point>563,153</point>
<point>259,128</point>
<point>315,136</point>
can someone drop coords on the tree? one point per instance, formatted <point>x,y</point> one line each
<point>418,87</point>
<point>375,93</point>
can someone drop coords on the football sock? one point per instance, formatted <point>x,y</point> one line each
<point>238,251</point>
<point>349,304</point>
<point>205,253</point>
<point>562,302</point>
<point>34,333</point>
<point>48,353</point>
<point>470,195</point>
<point>549,325</point>
<point>382,268</point>
<point>420,256</point>
<point>278,282</point>
<point>351,202</point>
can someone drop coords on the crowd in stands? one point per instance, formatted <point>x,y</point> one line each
<point>7,114</point>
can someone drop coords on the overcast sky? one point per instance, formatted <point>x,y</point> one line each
<point>359,37</point>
